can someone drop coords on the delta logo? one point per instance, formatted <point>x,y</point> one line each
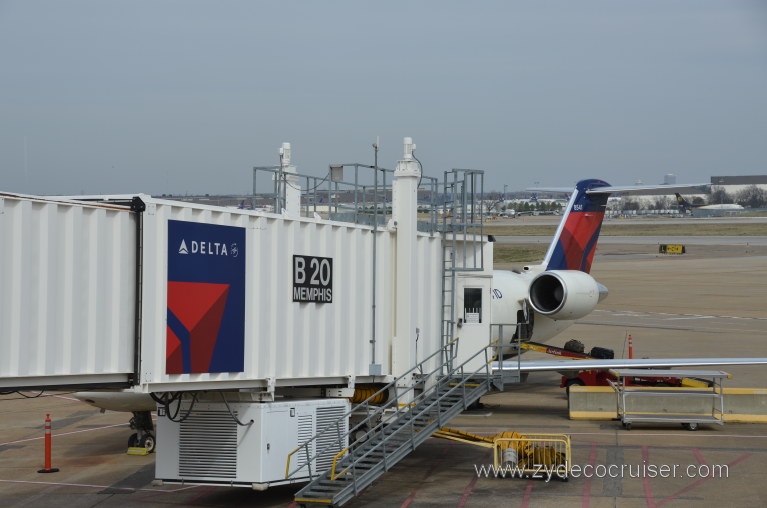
<point>195,312</point>
<point>205,330</point>
<point>208,248</point>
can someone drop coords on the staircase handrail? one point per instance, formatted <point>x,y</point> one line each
<point>380,409</point>
<point>446,379</point>
<point>366,403</point>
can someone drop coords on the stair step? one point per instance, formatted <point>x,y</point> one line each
<point>365,461</point>
<point>320,490</point>
<point>341,482</point>
<point>314,495</point>
<point>387,447</point>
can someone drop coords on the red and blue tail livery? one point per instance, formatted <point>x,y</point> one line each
<point>576,239</point>
<point>206,298</point>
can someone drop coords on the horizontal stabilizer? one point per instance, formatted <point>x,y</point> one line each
<point>635,189</point>
<point>623,189</point>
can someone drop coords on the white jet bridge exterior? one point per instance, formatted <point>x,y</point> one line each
<point>89,289</point>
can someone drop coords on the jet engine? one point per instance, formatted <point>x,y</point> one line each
<point>565,294</point>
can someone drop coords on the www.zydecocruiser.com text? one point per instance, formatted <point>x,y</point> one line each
<point>643,470</point>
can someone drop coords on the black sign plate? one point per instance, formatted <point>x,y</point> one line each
<point>312,279</point>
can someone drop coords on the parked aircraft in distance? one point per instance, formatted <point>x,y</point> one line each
<point>689,207</point>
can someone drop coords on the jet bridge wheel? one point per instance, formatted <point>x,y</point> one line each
<point>690,426</point>
<point>144,435</point>
<point>146,441</point>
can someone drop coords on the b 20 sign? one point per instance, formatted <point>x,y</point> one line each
<point>312,279</point>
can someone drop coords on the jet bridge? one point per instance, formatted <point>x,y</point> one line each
<point>167,296</point>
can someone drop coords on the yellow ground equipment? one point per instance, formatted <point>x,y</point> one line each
<point>533,454</point>
<point>528,454</point>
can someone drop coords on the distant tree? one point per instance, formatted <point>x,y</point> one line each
<point>752,197</point>
<point>630,204</point>
<point>662,203</point>
<point>697,200</point>
<point>719,196</point>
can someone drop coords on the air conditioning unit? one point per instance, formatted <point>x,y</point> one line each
<point>208,446</point>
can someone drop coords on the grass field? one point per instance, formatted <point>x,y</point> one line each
<point>724,229</point>
<point>513,254</point>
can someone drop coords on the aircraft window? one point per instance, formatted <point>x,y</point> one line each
<point>472,305</point>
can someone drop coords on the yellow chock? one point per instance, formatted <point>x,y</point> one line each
<point>137,450</point>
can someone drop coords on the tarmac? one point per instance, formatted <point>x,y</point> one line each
<point>709,302</point>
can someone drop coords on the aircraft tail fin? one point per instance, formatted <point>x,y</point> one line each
<point>576,238</point>
<point>682,202</point>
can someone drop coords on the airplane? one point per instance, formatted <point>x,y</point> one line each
<point>539,302</point>
<point>689,207</point>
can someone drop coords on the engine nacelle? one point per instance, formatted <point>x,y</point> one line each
<point>565,294</point>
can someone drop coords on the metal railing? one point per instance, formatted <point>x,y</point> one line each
<point>456,378</point>
<point>367,405</point>
<point>367,199</point>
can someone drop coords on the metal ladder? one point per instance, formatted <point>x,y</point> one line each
<point>460,187</point>
<point>448,295</point>
<point>392,430</point>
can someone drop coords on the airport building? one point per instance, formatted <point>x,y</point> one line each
<point>734,184</point>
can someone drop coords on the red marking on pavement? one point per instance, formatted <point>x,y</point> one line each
<point>528,494</point>
<point>646,480</point>
<point>198,496</point>
<point>586,499</point>
<point>701,481</point>
<point>427,475</point>
<point>698,456</point>
<point>467,492</point>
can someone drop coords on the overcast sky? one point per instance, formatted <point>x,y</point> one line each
<point>186,96</point>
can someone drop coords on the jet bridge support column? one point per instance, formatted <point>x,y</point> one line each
<point>405,194</point>
<point>289,188</point>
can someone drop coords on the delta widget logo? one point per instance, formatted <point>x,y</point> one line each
<point>206,298</point>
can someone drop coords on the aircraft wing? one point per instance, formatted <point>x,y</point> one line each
<point>625,189</point>
<point>635,363</point>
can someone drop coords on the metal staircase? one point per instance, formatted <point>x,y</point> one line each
<point>393,430</point>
